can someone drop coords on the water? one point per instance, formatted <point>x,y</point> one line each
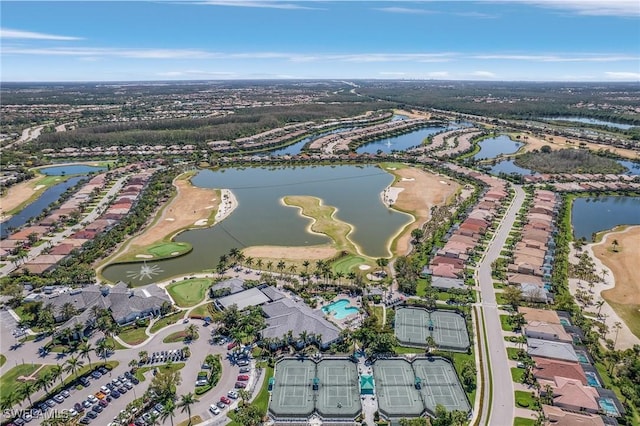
<point>608,406</point>
<point>38,206</point>
<point>340,309</point>
<point>508,167</point>
<point>592,380</point>
<point>295,148</point>
<point>591,121</point>
<point>634,168</point>
<point>492,147</point>
<point>400,142</point>
<point>582,358</point>
<point>70,169</point>
<point>589,215</point>
<point>261,219</point>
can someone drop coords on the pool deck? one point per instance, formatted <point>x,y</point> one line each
<point>350,321</point>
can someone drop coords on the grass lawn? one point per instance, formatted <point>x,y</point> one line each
<point>22,314</point>
<point>400,350</point>
<point>190,292</point>
<point>630,314</point>
<point>3,359</point>
<point>378,313</point>
<point>159,250</point>
<point>8,380</point>
<point>162,368</point>
<point>521,421</point>
<point>512,353</point>
<point>168,320</point>
<point>525,400</point>
<point>506,324</point>
<point>517,374</point>
<point>134,336</point>
<point>193,421</point>
<point>115,344</point>
<point>202,311</point>
<point>500,300</point>
<point>421,287</point>
<point>178,336</point>
<point>459,359</point>
<point>350,263</point>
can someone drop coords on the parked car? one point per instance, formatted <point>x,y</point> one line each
<point>96,374</point>
<point>232,345</point>
<point>72,412</point>
<point>92,398</point>
<point>225,400</point>
<point>128,385</point>
<point>245,370</point>
<point>58,398</point>
<point>97,408</point>
<point>65,393</point>
<point>241,385</point>
<point>134,380</point>
<point>92,414</point>
<point>215,410</point>
<point>242,363</point>
<point>232,394</point>
<point>115,394</point>
<point>78,407</point>
<point>103,370</point>
<point>201,382</point>
<point>51,403</point>
<point>86,403</point>
<point>85,420</point>
<point>103,403</point>
<point>159,407</point>
<point>243,377</point>
<point>122,389</point>
<point>221,404</point>
<point>100,395</point>
<point>84,381</point>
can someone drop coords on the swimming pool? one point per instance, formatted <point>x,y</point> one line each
<point>592,379</point>
<point>564,321</point>
<point>582,358</point>
<point>608,406</point>
<point>340,309</point>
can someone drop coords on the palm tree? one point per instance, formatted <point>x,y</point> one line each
<point>73,364</point>
<point>191,331</point>
<point>103,349</point>
<point>68,310</point>
<point>259,264</point>
<point>306,264</point>
<point>9,400</point>
<point>44,381</point>
<point>85,352</point>
<point>292,269</point>
<point>133,364</point>
<point>169,410</point>
<point>186,401</point>
<point>280,266</point>
<point>269,265</point>
<point>26,390</point>
<point>56,373</point>
<point>248,261</point>
<point>143,355</point>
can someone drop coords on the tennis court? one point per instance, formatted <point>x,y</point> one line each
<point>292,391</point>
<point>440,385</point>
<point>395,389</point>
<point>336,394</point>
<point>448,329</point>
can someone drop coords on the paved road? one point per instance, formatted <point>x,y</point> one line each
<point>57,238</point>
<point>502,403</point>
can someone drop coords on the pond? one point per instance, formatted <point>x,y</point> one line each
<point>38,206</point>
<point>591,121</point>
<point>492,147</point>
<point>400,142</point>
<point>595,214</point>
<point>508,167</point>
<point>295,148</point>
<point>70,169</point>
<point>262,219</point>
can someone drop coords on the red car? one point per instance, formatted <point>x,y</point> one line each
<point>243,377</point>
<point>225,400</point>
<point>232,345</point>
<point>241,385</point>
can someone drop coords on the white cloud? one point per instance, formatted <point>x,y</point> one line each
<point>30,35</point>
<point>406,10</point>
<point>587,57</point>
<point>623,75</point>
<point>483,74</point>
<point>593,7</point>
<point>256,4</point>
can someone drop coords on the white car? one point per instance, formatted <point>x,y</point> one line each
<point>232,394</point>
<point>72,412</point>
<point>92,399</point>
<point>215,410</point>
<point>105,390</point>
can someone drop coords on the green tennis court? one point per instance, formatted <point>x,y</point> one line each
<point>448,329</point>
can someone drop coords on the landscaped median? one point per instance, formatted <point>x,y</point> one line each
<point>166,321</point>
<point>188,334</point>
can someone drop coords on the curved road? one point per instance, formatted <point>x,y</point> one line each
<point>499,383</point>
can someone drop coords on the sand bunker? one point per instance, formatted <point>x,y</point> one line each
<point>290,253</point>
<point>144,256</point>
<point>201,222</point>
<point>175,253</point>
<point>170,219</point>
<point>407,179</point>
<point>364,267</point>
<point>38,187</point>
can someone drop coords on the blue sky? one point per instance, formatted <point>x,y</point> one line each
<point>537,40</point>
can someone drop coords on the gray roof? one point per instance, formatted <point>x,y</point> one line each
<point>285,315</point>
<point>243,299</point>
<point>272,293</point>
<point>235,285</point>
<point>549,349</point>
<point>448,283</point>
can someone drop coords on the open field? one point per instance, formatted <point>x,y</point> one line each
<point>9,379</point>
<point>625,296</point>
<point>190,207</point>
<point>189,292</point>
<point>560,142</point>
<point>420,191</point>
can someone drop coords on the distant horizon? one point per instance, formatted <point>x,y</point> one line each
<point>222,40</point>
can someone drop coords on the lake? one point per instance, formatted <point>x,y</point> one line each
<point>508,167</point>
<point>295,148</point>
<point>595,214</point>
<point>261,218</point>
<point>492,147</point>
<point>400,142</point>
<point>38,206</point>
<point>70,169</point>
<point>591,121</point>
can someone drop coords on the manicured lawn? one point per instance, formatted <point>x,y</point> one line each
<point>9,379</point>
<point>506,324</point>
<point>512,353</point>
<point>194,420</point>
<point>349,263</point>
<point>168,249</point>
<point>115,344</point>
<point>201,311</point>
<point>189,292</point>
<point>168,320</point>
<point>525,400</point>
<point>378,314</point>
<point>134,336</point>
<point>178,336</point>
<point>521,421</point>
<point>3,359</point>
<point>459,359</point>
<point>630,314</point>
<point>517,374</point>
<point>400,350</point>
<point>421,287</point>
<point>161,368</point>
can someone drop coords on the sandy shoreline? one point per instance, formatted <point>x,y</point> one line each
<point>618,284</point>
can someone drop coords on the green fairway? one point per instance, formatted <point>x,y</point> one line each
<point>350,263</point>
<point>3,359</point>
<point>189,292</point>
<point>168,249</point>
